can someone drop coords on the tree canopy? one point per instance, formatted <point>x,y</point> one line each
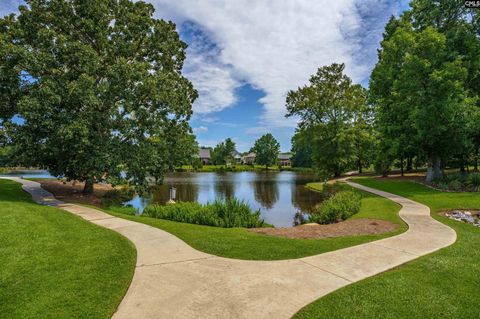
<point>266,150</point>
<point>425,86</point>
<point>99,87</point>
<point>224,152</point>
<point>328,108</point>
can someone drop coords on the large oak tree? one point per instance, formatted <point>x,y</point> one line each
<point>99,87</point>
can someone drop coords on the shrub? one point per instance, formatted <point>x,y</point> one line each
<point>221,213</point>
<point>455,185</point>
<point>117,196</point>
<point>337,208</point>
<point>330,189</point>
<point>442,186</point>
<point>474,181</point>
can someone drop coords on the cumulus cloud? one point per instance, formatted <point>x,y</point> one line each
<point>276,45</point>
<point>200,129</point>
<point>273,45</point>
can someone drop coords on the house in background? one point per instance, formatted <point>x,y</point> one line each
<point>249,158</point>
<point>285,159</point>
<point>237,158</point>
<point>205,156</point>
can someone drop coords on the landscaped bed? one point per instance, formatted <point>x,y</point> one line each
<point>440,285</point>
<point>352,227</point>
<point>57,265</point>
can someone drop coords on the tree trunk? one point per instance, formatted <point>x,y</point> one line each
<point>88,188</point>
<point>401,166</point>
<point>434,170</point>
<point>409,163</point>
<point>475,165</point>
<point>359,166</point>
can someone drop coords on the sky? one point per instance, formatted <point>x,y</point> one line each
<point>244,56</point>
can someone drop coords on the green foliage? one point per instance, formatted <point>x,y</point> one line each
<point>474,181</point>
<point>228,213</point>
<point>223,153</point>
<point>333,114</point>
<point>266,150</point>
<point>425,86</point>
<point>340,206</point>
<point>458,182</point>
<point>197,164</point>
<point>302,150</point>
<point>100,89</point>
<point>117,196</point>
<point>5,156</point>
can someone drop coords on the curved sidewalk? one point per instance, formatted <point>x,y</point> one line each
<point>173,280</point>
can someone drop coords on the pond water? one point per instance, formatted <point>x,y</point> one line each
<point>30,173</point>
<point>279,195</point>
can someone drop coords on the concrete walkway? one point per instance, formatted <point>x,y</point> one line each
<point>173,280</point>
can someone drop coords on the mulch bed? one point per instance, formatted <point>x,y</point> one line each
<point>355,227</point>
<point>72,191</point>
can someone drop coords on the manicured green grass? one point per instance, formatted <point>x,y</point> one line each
<point>56,265</point>
<point>242,244</point>
<point>445,284</point>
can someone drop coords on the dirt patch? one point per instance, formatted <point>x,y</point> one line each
<point>355,227</point>
<point>72,191</point>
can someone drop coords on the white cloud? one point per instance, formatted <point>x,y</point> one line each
<point>200,129</point>
<point>273,45</point>
<point>257,130</point>
<point>276,45</point>
<point>209,119</point>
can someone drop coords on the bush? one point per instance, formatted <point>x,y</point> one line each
<point>455,185</point>
<point>330,189</point>
<point>221,213</point>
<point>337,208</point>
<point>474,181</point>
<point>117,196</point>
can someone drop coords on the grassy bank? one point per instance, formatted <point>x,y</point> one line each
<point>444,284</point>
<point>242,244</point>
<point>56,265</point>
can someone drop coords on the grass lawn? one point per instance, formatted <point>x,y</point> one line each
<point>56,265</point>
<point>445,284</point>
<point>242,244</point>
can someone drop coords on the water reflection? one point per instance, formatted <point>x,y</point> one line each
<point>279,195</point>
<point>266,192</point>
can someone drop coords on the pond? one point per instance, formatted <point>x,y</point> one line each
<point>28,173</point>
<point>279,195</point>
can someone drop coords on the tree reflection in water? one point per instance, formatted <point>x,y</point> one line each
<point>266,192</point>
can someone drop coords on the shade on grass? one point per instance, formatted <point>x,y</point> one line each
<point>445,284</point>
<point>242,244</point>
<point>56,265</point>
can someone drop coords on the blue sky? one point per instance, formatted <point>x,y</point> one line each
<point>244,56</point>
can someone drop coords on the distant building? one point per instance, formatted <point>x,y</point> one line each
<point>249,158</point>
<point>205,156</point>
<point>285,159</point>
<point>237,158</point>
